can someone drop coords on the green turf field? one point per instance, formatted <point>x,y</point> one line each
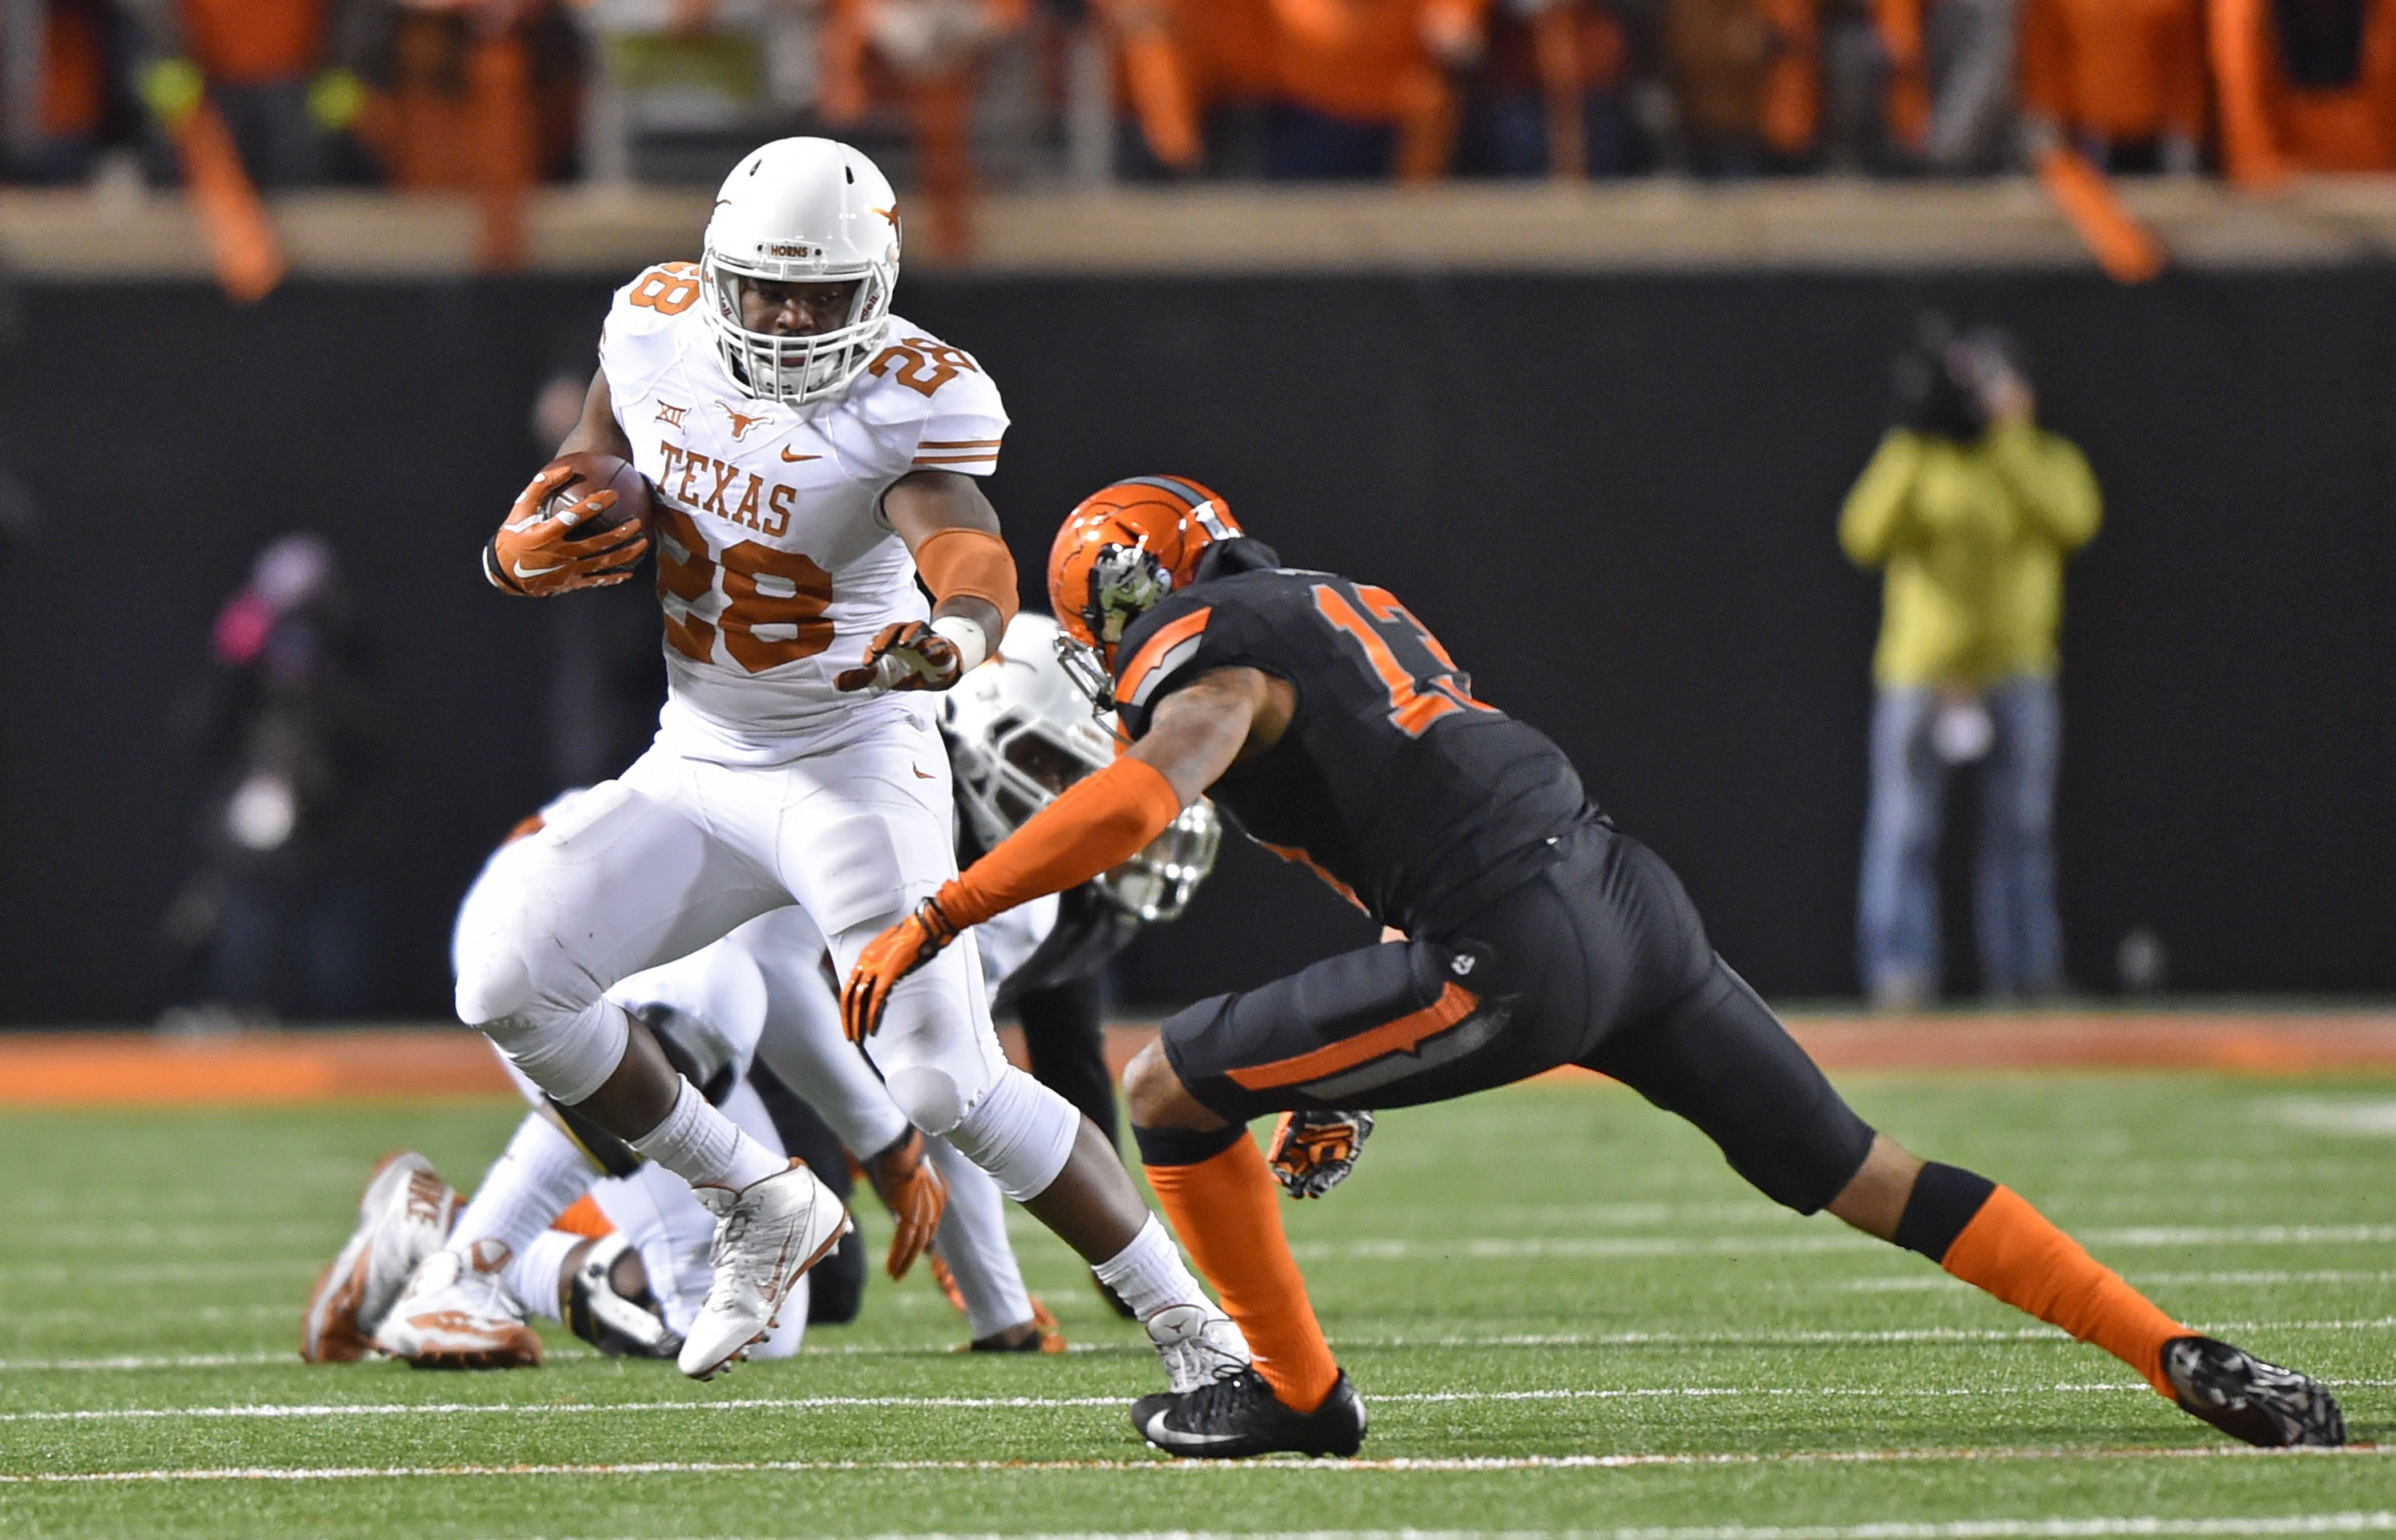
<point>1566,1313</point>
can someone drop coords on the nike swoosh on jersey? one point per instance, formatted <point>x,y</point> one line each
<point>919,773</point>
<point>795,459</point>
<point>524,571</point>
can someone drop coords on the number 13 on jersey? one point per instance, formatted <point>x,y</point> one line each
<point>1427,684</point>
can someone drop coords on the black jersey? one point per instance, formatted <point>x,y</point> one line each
<point>1416,800</point>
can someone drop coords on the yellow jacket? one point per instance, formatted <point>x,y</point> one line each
<point>1974,537</point>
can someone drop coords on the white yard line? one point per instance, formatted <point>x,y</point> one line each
<point>1553,1339</point>
<point>1931,1283</point>
<point>822,1403</point>
<point>1960,1529</point>
<point>158,1272</point>
<point>1504,1248</point>
<point>1400,1464</point>
<point>138,1236</point>
<point>816,1404</point>
<point>165,1361</point>
<point>76,1314</point>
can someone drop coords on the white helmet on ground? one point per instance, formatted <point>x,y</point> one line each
<point>1019,732</point>
<point>801,211</point>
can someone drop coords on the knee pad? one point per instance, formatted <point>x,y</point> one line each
<point>493,979</point>
<point>1020,1132</point>
<point>935,1050</point>
<point>568,1056</point>
<point>929,1095</point>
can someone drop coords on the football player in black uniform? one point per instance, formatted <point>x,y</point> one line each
<point>1330,726</point>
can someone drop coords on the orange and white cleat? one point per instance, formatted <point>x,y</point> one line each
<point>457,1313</point>
<point>402,1218</point>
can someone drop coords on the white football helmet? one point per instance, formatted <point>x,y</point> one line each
<point>1019,732</point>
<point>801,211</point>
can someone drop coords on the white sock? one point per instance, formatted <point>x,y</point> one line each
<point>704,1147</point>
<point>532,1275</point>
<point>534,1181</point>
<point>1149,1274</point>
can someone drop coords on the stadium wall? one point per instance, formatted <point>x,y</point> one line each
<point>1613,497</point>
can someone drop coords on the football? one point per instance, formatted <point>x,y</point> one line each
<point>594,471</point>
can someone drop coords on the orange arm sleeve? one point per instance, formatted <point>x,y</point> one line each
<point>1101,821</point>
<point>973,563</point>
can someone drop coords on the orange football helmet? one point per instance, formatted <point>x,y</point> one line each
<point>1123,549</point>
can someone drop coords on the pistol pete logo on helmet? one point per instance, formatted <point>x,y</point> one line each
<point>1126,583</point>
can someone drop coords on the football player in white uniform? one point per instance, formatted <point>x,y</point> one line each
<point>1017,732</point>
<point>811,454</point>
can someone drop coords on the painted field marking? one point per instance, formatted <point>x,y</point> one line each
<point>158,1272</point>
<point>229,1236</point>
<point>1399,1464</point>
<point>1497,1248</point>
<point>2375,1119</point>
<point>167,1361</point>
<point>271,1412</point>
<point>1959,1528</point>
<point>816,1404</point>
<point>1528,1339</point>
<point>71,1314</point>
<point>1933,1281</point>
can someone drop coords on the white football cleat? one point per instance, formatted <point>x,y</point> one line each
<point>767,1235</point>
<point>404,1217</point>
<point>457,1313</point>
<point>1199,1345</point>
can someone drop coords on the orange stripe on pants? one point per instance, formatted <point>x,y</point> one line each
<point>1402,1036</point>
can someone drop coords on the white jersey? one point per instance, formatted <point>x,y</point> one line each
<point>775,567</point>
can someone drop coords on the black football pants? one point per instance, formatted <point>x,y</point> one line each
<point>1597,958</point>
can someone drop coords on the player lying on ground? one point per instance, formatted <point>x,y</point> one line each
<point>809,455</point>
<point>1335,730</point>
<point>470,1288</point>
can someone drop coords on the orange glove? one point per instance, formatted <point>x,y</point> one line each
<point>916,1194</point>
<point>538,553</point>
<point>910,656</point>
<point>888,958</point>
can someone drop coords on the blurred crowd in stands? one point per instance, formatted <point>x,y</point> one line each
<point>447,93</point>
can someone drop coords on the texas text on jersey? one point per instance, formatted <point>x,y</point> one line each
<point>1375,811</point>
<point>775,565</point>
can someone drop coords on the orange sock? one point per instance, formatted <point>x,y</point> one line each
<point>2011,1250</point>
<point>1226,1209</point>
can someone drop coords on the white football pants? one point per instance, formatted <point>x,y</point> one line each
<point>675,853</point>
<point>764,989</point>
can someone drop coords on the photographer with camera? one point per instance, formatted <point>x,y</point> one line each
<point>1971,508</point>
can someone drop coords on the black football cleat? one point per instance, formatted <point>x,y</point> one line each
<point>1239,1416</point>
<point>2250,1400</point>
